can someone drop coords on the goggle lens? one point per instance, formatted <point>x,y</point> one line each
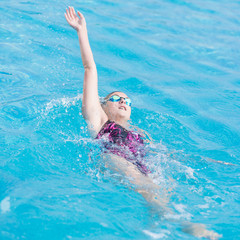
<point>116,98</point>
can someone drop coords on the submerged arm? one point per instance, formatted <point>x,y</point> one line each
<point>91,107</point>
<point>157,197</point>
<point>142,183</point>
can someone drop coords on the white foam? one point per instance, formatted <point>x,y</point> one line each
<point>160,235</point>
<point>204,206</point>
<point>189,172</point>
<point>180,207</point>
<point>5,205</point>
<point>183,214</point>
<point>66,102</point>
<point>104,224</point>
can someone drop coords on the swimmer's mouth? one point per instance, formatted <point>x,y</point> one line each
<point>122,107</point>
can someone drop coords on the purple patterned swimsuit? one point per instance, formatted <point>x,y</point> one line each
<point>124,143</point>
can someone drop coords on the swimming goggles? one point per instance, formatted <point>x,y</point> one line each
<point>116,98</point>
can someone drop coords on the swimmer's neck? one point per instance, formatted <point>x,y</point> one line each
<point>122,122</point>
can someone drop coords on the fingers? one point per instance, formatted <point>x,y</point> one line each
<point>71,15</point>
<point>67,18</point>
<point>67,14</point>
<point>80,15</point>
<point>71,11</point>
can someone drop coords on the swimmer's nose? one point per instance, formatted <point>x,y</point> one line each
<point>122,100</point>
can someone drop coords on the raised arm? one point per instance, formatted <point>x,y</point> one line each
<point>91,107</point>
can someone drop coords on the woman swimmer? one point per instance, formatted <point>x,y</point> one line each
<point>109,120</point>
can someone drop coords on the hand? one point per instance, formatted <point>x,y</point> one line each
<point>74,21</point>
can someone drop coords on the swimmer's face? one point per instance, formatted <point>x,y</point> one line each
<point>119,109</point>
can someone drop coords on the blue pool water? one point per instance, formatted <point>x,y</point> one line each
<point>178,60</point>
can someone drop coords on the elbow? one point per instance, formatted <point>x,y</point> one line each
<point>90,67</point>
<point>86,113</point>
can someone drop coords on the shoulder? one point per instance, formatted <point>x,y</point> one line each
<point>104,128</point>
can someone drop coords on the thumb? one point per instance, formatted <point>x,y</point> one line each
<point>80,15</point>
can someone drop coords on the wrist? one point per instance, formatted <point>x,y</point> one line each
<point>81,29</point>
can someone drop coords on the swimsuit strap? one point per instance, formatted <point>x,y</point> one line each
<point>117,131</point>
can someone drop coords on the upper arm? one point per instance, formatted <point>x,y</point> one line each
<point>91,106</point>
